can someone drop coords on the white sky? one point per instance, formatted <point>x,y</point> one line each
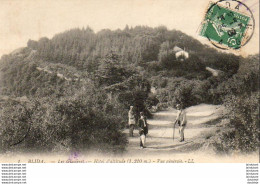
<point>21,20</point>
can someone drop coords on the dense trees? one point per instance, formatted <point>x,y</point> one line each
<point>139,45</point>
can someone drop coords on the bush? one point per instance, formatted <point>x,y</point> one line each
<point>153,67</point>
<point>15,123</point>
<point>79,122</point>
<point>243,115</point>
<point>240,94</point>
<point>185,92</point>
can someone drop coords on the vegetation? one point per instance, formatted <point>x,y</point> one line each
<point>240,95</point>
<point>79,86</point>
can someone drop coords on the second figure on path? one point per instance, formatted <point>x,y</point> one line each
<point>131,121</point>
<point>181,120</point>
<point>143,129</point>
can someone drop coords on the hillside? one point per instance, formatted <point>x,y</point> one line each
<point>80,82</point>
<point>79,54</point>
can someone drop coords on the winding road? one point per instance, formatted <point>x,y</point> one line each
<point>160,137</point>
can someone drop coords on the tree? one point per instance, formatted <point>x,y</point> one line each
<point>166,55</point>
<point>32,44</point>
<point>111,71</point>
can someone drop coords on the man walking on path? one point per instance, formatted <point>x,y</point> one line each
<point>181,119</point>
<point>143,129</point>
<point>131,121</point>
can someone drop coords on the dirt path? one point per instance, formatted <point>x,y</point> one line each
<point>159,140</point>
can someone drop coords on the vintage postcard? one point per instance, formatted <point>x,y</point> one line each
<point>129,81</point>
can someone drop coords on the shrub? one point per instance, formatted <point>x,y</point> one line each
<point>243,115</point>
<point>185,92</point>
<point>153,67</point>
<point>79,122</point>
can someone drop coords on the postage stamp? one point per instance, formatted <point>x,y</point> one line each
<point>227,28</point>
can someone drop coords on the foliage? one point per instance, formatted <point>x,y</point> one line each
<point>240,133</point>
<point>82,48</point>
<point>111,71</point>
<point>243,114</point>
<point>79,122</point>
<point>240,95</point>
<point>185,92</point>
<point>242,101</point>
<point>80,85</point>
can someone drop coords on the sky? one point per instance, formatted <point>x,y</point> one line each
<point>21,20</point>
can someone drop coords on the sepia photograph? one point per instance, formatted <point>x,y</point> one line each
<point>129,81</point>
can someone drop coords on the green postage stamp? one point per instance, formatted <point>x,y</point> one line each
<point>224,26</point>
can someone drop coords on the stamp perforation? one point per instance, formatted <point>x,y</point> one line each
<point>240,40</point>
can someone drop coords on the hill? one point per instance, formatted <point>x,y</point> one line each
<point>79,55</point>
<point>80,82</point>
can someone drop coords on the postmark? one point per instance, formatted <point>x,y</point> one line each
<point>228,24</point>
